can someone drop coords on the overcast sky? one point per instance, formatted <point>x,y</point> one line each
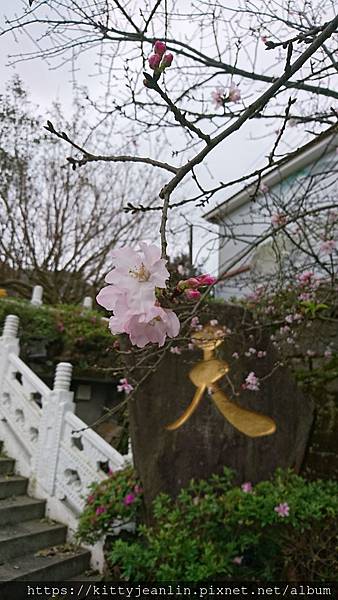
<point>242,152</point>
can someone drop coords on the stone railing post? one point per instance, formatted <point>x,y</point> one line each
<point>9,343</point>
<point>87,303</point>
<point>37,293</point>
<point>60,402</point>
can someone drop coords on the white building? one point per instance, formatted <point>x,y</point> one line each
<point>250,245</point>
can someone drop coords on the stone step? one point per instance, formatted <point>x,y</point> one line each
<point>60,566</point>
<point>6,465</point>
<point>29,537</point>
<point>20,509</point>
<point>12,485</point>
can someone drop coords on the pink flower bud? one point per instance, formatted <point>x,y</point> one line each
<point>192,282</point>
<point>167,60</point>
<point>192,294</point>
<point>206,279</point>
<point>154,61</point>
<point>159,48</point>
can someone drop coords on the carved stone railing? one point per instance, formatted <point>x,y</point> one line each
<point>51,445</point>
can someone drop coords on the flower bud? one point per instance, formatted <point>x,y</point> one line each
<point>192,294</point>
<point>206,280</point>
<point>154,61</point>
<point>167,60</point>
<point>159,48</point>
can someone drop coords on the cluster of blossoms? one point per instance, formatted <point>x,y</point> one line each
<point>137,284</point>
<point>160,59</point>
<point>251,383</point>
<point>278,220</point>
<point>327,247</point>
<point>131,295</point>
<point>220,97</point>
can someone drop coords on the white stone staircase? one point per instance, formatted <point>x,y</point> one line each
<point>55,458</point>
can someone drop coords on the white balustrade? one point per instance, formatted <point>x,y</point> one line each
<point>57,450</point>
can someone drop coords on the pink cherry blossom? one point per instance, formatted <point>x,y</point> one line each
<point>159,48</point>
<point>194,322</point>
<point>247,487</point>
<point>278,220</point>
<point>218,97</point>
<point>261,353</point>
<point>264,188</point>
<point>175,350</point>
<point>154,61</point>
<point>131,296</point>
<point>167,60</point>
<point>125,386</point>
<point>282,509</point>
<point>234,93</point>
<point>129,499</point>
<point>252,382</point>
<point>164,322</point>
<point>238,560</point>
<point>328,247</point>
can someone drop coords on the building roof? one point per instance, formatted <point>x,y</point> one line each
<point>294,162</point>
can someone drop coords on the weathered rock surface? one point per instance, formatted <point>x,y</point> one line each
<point>167,460</point>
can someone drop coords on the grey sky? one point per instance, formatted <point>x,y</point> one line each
<point>239,154</point>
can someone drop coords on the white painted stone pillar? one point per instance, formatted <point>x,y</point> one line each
<point>37,293</point>
<point>9,343</point>
<point>87,303</point>
<point>59,403</point>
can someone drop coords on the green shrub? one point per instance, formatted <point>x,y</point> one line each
<point>116,500</point>
<point>214,531</point>
<point>70,333</point>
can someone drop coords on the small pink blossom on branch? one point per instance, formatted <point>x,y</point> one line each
<point>234,93</point>
<point>328,247</point>
<point>125,386</point>
<point>278,220</point>
<point>218,97</point>
<point>159,48</point>
<point>251,383</point>
<point>154,61</point>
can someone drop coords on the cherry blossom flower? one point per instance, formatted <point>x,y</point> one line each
<point>264,188</point>
<point>234,93</point>
<point>129,499</point>
<point>237,560</point>
<point>307,278</point>
<point>194,322</point>
<point>235,355</point>
<point>175,350</point>
<point>218,97</point>
<point>252,382</point>
<point>328,247</point>
<point>261,353</point>
<point>159,48</point>
<point>125,386</point>
<point>247,487</point>
<point>282,509</point>
<point>251,352</point>
<point>206,280</point>
<point>141,331</point>
<point>131,296</point>
<point>213,322</point>
<point>278,220</point>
